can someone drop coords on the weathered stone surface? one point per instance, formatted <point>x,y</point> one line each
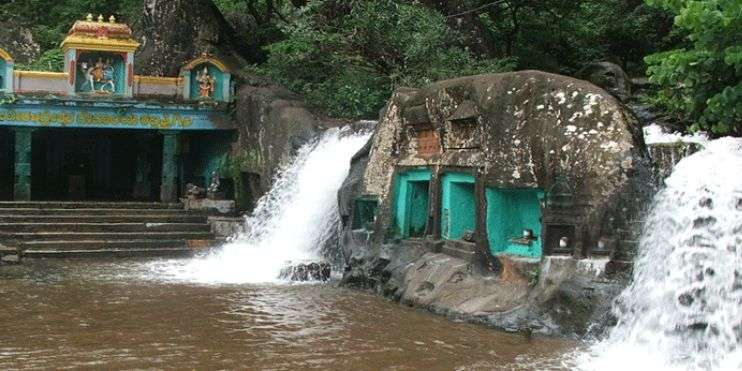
<point>216,207</point>
<point>307,272</point>
<point>18,41</point>
<point>172,32</point>
<point>273,124</point>
<point>511,130</point>
<point>226,227</point>
<point>608,76</point>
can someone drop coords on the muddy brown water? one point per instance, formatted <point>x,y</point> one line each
<point>67,314</point>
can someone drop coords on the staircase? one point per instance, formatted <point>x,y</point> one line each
<point>102,229</point>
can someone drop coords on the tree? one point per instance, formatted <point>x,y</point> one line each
<point>347,56</point>
<point>700,84</point>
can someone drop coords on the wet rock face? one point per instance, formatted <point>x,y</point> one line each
<point>608,76</point>
<point>307,272</point>
<point>173,32</point>
<point>273,124</point>
<point>18,41</point>
<point>513,130</point>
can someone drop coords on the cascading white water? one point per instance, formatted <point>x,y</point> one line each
<point>290,223</point>
<point>683,309</point>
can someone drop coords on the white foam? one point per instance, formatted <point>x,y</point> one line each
<point>655,134</point>
<point>289,224</point>
<point>683,309</point>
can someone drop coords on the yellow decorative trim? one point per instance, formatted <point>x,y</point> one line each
<point>201,60</point>
<point>158,80</point>
<point>92,43</point>
<point>42,74</point>
<point>6,56</point>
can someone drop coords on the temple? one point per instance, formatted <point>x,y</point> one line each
<point>97,131</point>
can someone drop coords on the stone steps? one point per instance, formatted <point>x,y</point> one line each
<point>108,236</point>
<point>87,205</point>
<point>94,211</point>
<point>113,218</point>
<point>102,229</point>
<point>86,245</point>
<point>109,253</point>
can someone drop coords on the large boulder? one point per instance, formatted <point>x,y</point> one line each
<point>173,32</point>
<point>519,130</point>
<point>608,76</point>
<point>273,124</point>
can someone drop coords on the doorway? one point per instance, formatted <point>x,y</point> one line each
<point>95,164</point>
<point>7,149</point>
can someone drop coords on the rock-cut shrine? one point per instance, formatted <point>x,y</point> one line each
<point>97,131</point>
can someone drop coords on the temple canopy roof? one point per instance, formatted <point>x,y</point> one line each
<point>100,35</point>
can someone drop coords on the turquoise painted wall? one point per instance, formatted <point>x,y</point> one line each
<point>364,212</point>
<point>458,205</point>
<point>208,153</point>
<point>509,212</point>
<point>411,202</point>
<point>216,74</point>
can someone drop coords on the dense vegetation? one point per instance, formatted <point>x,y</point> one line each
<point>346,56</point>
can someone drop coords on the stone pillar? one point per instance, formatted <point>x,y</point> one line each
<point>22,185</point>
<point>170,159</point>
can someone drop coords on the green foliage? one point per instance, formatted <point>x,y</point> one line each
<point>350,63</point>
<point>701,84</point>
<point>49,21</point>
<point>50,60</point>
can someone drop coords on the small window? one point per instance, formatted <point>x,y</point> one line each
<point>364,213</point>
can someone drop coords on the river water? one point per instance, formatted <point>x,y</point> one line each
<point>126,315</point>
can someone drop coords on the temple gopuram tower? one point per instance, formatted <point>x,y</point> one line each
<point>99,58</point>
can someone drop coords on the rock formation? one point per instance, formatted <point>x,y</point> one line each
<point>500,133</point>
<point>608,76</point>
<point>173,32</point>
<point>18,41</point>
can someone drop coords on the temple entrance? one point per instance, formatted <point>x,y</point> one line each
<point>6,164</point>
<point>412,203</point>
<point>96,164</point>
<point>458,212</point>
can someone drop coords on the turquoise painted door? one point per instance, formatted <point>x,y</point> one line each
<point>458,205</point>
<point>412,202</point>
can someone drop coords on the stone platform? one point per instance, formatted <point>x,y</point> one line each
<point>100,229</point>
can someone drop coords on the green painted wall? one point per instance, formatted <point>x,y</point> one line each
<point>364,212</point>
<point>509,212</point>
<point>458,205</point>
<point>411,203</point>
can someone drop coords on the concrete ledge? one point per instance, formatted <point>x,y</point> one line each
<point>214,207</point>
<point>225,227</point>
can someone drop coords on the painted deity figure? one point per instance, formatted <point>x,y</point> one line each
<point>206,83</point>
<point>99,73</point>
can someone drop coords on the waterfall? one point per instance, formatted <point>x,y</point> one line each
<point>290,223</point>
<point>683,309</point>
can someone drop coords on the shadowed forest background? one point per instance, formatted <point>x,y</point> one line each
<point>346,57</point>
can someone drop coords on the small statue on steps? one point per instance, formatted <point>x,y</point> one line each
<point>194,192</point>
<point>214,191</point>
